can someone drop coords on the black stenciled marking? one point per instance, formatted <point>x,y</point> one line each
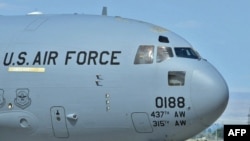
<point>92,57</point>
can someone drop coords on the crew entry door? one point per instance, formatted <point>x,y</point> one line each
<point>58,120</point>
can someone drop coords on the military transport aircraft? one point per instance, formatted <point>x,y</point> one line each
<point>102,78</point>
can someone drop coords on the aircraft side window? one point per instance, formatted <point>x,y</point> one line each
<point>144,55</point>
<point>163,53</point>
<point>176,78</point>
<point>186,52</point>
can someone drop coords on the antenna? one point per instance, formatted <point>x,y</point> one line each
<point>104,11</point>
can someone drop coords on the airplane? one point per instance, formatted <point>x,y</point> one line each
<point>76,77</point>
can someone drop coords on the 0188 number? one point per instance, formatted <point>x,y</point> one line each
<point>170,102</point>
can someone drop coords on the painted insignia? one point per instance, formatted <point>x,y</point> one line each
<point>2,99</point>
<point>22,99</point>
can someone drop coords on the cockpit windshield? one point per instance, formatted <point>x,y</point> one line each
<point>145,54</point>
<point>163,53</point>
<point>186,52</point>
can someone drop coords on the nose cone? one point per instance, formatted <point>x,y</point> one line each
<point>209,94</point>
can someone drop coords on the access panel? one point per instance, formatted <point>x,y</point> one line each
<point>141,122</point>
<point>59,122</point>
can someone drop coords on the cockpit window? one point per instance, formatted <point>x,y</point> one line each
<point>144,55</point>
<point>176,78</point>
<point>186,52</point>
<point>163,53</point>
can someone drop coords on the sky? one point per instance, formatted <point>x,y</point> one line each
<point>218,29</point>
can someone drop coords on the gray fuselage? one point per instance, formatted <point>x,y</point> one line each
<point>92,78</point>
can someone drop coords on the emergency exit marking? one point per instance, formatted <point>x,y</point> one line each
<point>236,132</point>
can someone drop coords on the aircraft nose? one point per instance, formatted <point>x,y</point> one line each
<point>209,94</point>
